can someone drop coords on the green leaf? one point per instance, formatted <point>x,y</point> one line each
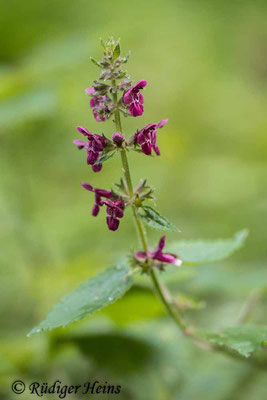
<point>95,62</point>
<point>194,252</point>
<point>152,218</point>
<point>105,157</point>
<point>243,339</point>
<point>126,58</point>
<point>117,51</point>
<point>122,75</point>
<point>103,45</point>
<point>96,293</point>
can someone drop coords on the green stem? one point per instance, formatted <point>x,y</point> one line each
<point>161,290</point>
<point>126,171</point>
<point>140,229</point>
<point>167,300</point>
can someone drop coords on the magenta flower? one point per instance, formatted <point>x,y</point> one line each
<point>94,146</point>
<point>133,97</point>
<point>114,210</point>
<point>147,138</point>
<point>159,255</point>
<point>97,103</point>
<point>98,194</point>
<point>118,138</point>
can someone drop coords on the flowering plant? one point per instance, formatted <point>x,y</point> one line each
<point>113,95</point>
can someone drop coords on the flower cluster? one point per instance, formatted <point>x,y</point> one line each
<point>115,205</point>
<point>101,105</point>
<point>113,94</point>
<point>147,138</point>
<point>135,99</point>
<point>94,146</point>
<point>114,210</point>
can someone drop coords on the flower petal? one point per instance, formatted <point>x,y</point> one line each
<point>162,123</point>
<point>161,243</point>
<point>166,258</point>
<point>146,149</point>
<point>83,130</point>
<point>140,84</point>
<point>97,167</point>
<point>87,186</point>
<point>141,254</point>
<point>80,144</point>
<point>112,223</point>
<point>104,193</point>
<point>90,90</point>
<point>156,149</point>
<point>95,210</point>
<point>136,109</point>
<point>127,97</point>
<point>92,157</point>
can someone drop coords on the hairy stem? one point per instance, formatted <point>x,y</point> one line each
<point>163,293</point>
<point>167,300</point>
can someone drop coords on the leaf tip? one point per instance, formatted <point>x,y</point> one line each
<point>242,235</point>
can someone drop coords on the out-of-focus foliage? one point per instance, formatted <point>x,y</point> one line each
<point>206,66</point>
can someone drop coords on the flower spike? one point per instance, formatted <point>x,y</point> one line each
<point>94,146</point>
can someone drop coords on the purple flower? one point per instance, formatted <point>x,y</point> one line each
<point>147,138</point>
<point>97,103</point>
<point>94,146</point>
<point>98,194</point>
<point>133,97</point>
<point>118,138</point>
<point>159,255</point>
<point>114,210</point>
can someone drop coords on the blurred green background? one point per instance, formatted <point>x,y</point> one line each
<point>206,67</point>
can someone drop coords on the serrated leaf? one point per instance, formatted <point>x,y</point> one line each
<point>105,157</point>
<point>95,62</point>
<point>117,51</point>
<point>243,339</point>
<point>152,218</point>
<point>96,293</point>
<point>196,252</point>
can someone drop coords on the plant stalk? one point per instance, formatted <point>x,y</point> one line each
<point>163,293</point>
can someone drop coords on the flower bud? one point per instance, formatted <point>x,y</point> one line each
<point>118,138</point>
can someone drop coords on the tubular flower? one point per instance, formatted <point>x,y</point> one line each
<point>94,146</point>
<point>135,99</point>
<point>98,104</point>
<point>114,210</point>
<point>159,255</point>
<point>147,138</point>
<point>98,194</point>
